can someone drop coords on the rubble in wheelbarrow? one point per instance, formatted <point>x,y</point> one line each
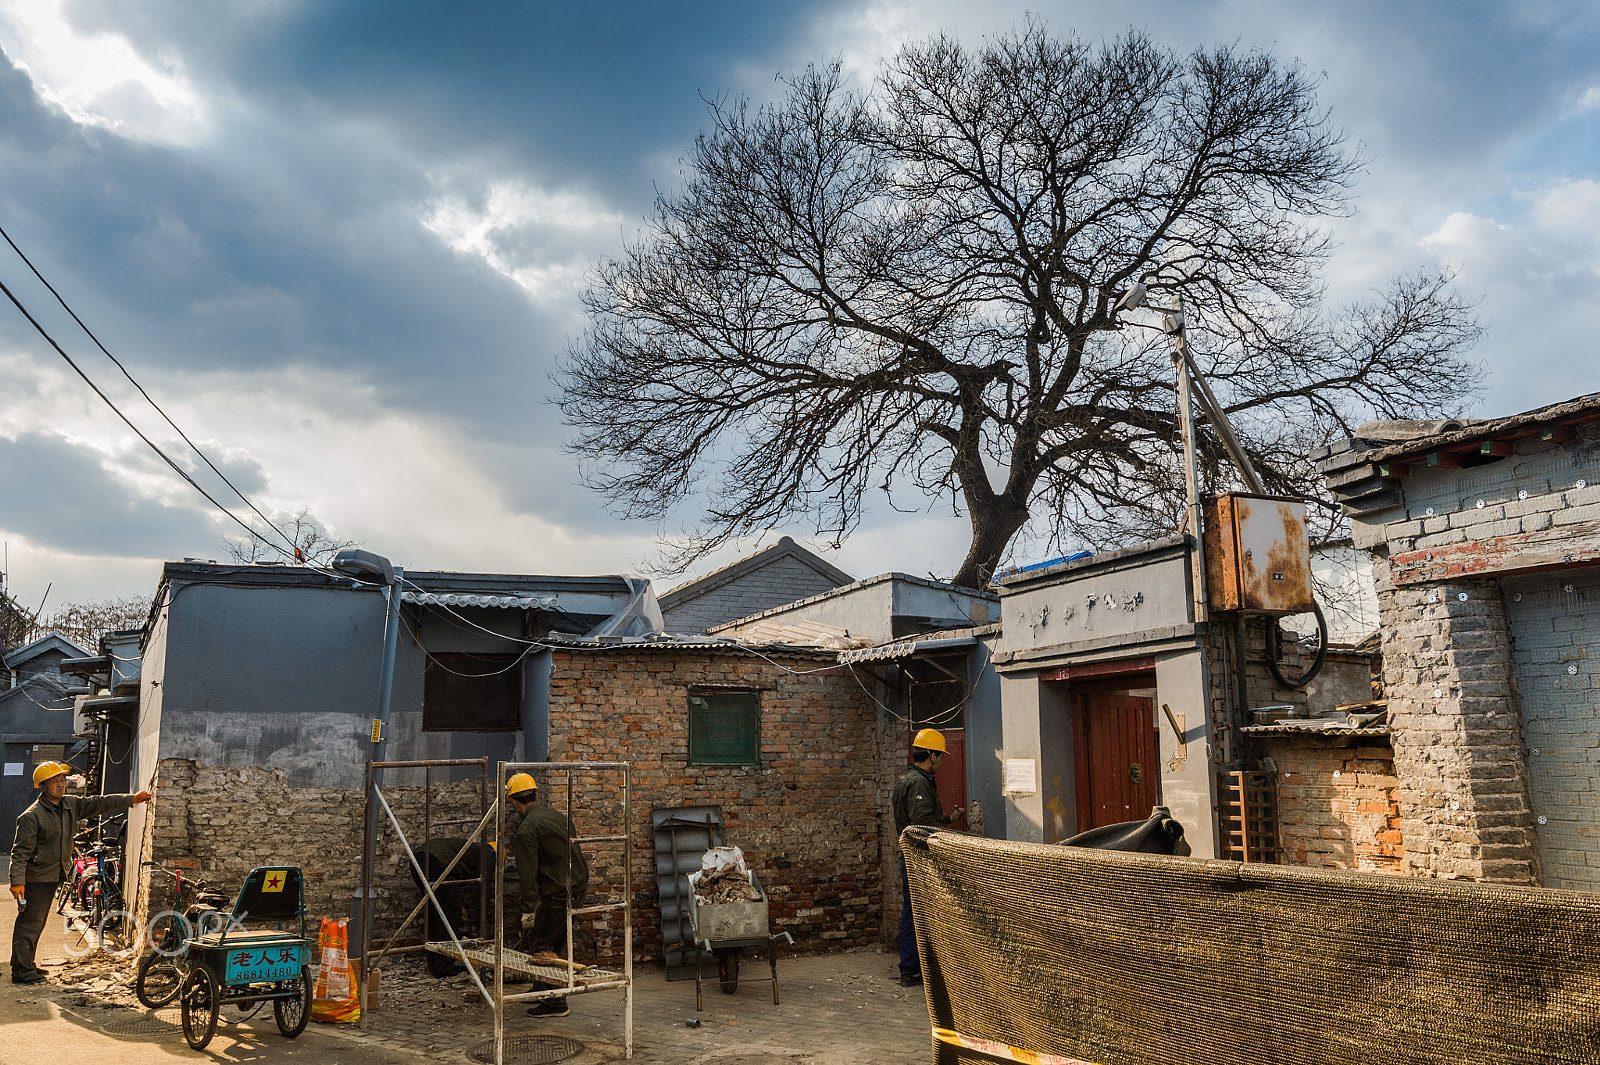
<point>724,877</point>
<point>728,884</point>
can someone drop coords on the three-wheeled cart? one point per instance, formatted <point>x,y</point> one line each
<point>723,930</point>
<point>246,967</point>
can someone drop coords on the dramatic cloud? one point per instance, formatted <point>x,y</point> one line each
<point>343,243</point>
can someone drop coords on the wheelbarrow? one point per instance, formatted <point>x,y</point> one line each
<point>722,930</point>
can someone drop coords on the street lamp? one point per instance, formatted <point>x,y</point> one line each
<point>374,569</point>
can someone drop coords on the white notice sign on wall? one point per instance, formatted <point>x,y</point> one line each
<point>1021,778</point>
<point>14,769</point>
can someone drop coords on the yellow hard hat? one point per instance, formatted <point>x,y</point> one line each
<point>930,739</point>
<point>519,783</point>
<point>45,770</point>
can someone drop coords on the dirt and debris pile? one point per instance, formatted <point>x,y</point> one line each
<point>724,877</point>
<point>728,884</point>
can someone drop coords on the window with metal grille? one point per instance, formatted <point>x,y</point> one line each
<point>724,728</point>
<point>472,693</point>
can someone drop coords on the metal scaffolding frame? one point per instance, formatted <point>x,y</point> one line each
<point>598,980</point>
<point>594,980</point>
<point>488,809</point>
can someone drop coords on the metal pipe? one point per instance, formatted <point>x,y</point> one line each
<point>380,739</point>
<point>1191,475</point>
<point>412,858</point>
<point>1219,420</point>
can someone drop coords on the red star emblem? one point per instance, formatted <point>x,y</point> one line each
<point>274,882</point>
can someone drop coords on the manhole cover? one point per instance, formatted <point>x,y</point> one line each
<point>167,1022</point>
<point>529,1050</point>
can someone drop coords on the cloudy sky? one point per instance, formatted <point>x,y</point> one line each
<point>341,242</point>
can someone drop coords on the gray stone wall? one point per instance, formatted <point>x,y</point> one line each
<point>1464,794</point>
<point>1485,663</point>
<point>1557,655</point>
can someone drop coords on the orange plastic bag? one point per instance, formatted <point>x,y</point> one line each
<point>334,998</point>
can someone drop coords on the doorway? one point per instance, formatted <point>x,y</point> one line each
<point>940,702</point>
<point>1115,752</point>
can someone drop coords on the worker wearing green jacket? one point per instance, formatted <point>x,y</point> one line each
<point>550,871</point>
<point>916,802</point>
<point>41,856</point>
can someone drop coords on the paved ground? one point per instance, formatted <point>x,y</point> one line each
<point>842,1009</point>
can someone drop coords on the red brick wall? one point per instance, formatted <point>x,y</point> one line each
<point>807,818</point>
<point>1338,806</point>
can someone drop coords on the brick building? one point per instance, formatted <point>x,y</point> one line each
<point>789,746</point>
<point>1486,539</point>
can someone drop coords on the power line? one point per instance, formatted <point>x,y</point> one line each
<point>192,445</point>
<point>180,471</point>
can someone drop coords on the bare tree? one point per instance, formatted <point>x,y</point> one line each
<point>314,544</point>
<point>84,623</point>
<point>915,286</point>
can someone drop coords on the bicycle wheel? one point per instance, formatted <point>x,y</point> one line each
<point>292,1013</point>
<point>158,980</point>
<point>199,1002</point>
<point>110,921</point>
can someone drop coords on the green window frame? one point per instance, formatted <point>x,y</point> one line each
<point>724,727</point>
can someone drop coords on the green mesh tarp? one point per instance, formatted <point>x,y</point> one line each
<point>1056,955</point>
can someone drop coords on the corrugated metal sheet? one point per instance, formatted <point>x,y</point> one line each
<point>1326,728</point>
<point>889,652</point>
<point>504,602</point>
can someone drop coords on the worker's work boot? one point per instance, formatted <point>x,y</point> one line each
<point>553,1007</point>
<point>910,979</point>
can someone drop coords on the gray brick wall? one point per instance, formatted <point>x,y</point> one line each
<point>1464,792</point>
<point>1557,655</point>
<point>780,582</point>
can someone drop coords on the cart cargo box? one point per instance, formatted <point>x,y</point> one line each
<point>727,920</point>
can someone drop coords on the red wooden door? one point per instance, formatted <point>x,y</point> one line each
<point>951,776</point>
<point>939,704</point>
<point>1115,743</point>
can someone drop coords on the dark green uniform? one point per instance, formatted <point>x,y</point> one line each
<point>916,801</point>
<point>41,857</point>
<point>548,862</point>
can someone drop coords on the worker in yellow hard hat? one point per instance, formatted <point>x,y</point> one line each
<point>551,875</point>
<point>41,854</point>
<point>916,802</point>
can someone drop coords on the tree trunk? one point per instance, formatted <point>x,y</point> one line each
<point>992,529</point>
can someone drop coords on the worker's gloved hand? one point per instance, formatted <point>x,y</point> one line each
<point>17,890</point>
<point>528,920</point>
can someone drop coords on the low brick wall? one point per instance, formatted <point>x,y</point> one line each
<point>219,823</point>
<point>1338,805</point>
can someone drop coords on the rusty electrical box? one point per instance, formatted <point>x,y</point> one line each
<point>1257,555</point>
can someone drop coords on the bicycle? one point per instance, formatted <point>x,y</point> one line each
<point>100,915</point>
<point>195,911</point>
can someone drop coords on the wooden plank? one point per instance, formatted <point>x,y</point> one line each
<point>1498,448</point>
